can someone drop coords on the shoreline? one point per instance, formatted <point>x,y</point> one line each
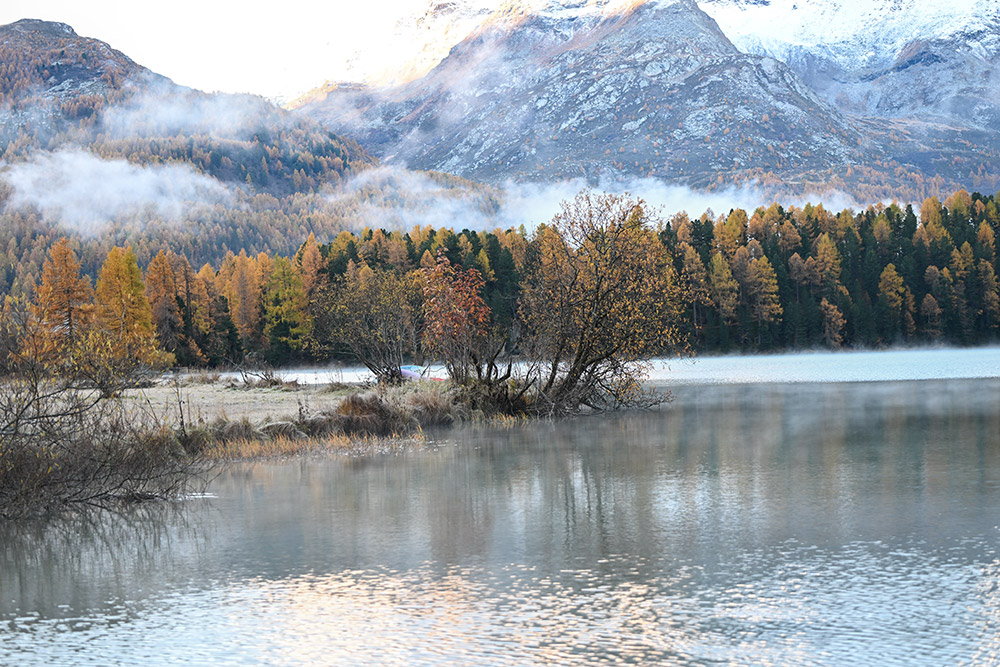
<point>227,423</point>
<point>973,363</point>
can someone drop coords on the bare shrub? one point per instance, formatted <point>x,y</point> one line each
<point>62,446</point>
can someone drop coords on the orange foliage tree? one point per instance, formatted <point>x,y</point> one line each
<point>456,319</point>
<point>63,304</point>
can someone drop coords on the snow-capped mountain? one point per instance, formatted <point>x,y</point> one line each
<point>552,89</point>
<point>891,58</point>
<point>881,98</point>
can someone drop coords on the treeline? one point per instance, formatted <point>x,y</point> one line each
<point>580,305</point>
<point>774,278</point>
<point>793,278</point>
<point>252,223</point>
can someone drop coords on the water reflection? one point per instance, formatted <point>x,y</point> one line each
<point>779,524</point>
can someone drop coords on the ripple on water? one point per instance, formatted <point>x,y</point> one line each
<point>866,602</point>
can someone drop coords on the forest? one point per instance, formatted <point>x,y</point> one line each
<point>772,279</point>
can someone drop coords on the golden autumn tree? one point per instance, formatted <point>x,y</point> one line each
<point>63,304</point>
<point>763,293</point>
<point>241,285</point>
<point>194,306</point>
<point>121,348</point>
<point>287,324</point>
<point>310,261</point>
<point>827,264</point>
<point>161,291</point>
<point>892,299</point>
<point>600,298</point>
<point>725,290</point>
<point>833,324</point>
<point>120,297</point>
<point>699,291</point>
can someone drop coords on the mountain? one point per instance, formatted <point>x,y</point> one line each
<point>888,58</point>
<point>60,90</point>
<point>799,100</point>
<point>597,89</point>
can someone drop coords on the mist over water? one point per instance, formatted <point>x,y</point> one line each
<point>785,523</point>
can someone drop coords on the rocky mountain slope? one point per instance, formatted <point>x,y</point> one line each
<point>894,59</point>
<point>598,89</point>
<point>899,102</point>
<point>58,89</point>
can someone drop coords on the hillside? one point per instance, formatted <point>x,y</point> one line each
<point>58,89</point>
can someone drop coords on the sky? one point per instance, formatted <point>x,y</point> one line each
<point>275,49</point>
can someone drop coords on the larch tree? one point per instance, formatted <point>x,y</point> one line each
<point>242,290</point>
<point>827,264</point>
<point>121,348</point>
<point>764,301</point>
<point>310,261</point>
<point>699,290</point>
<point>63,303</point>
<point>287,324</point>
<point>892,292</point>
<point>990,295</point>
<point>161,291</point>
<point>930,314</point>
<point>833,324</point>
<point>725,290</point>
<point>120,298</point>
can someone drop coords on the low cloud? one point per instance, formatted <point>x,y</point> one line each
<point>163,109</point>
<point>397,199</point>
<point>84,193</point>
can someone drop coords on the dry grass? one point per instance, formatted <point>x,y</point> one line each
<point>281,448</point>
<point>364,422</point>
<point>269,422</point>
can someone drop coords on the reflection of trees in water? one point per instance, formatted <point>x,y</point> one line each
<point>723,469</point>
<point>748,464</point>
<point>91,560</point>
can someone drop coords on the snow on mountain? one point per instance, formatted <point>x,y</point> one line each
<point>854,34</point>
<point>547,90</point>
<point>876,97</point>
<point>888,58</point>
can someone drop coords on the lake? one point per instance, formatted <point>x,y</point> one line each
<point>846,366</point>
<point>830,522</point>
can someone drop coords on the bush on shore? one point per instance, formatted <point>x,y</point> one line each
<point>63,446</point>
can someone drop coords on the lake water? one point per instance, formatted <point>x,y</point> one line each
<point>847,366</point>
<point>777,523</point>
